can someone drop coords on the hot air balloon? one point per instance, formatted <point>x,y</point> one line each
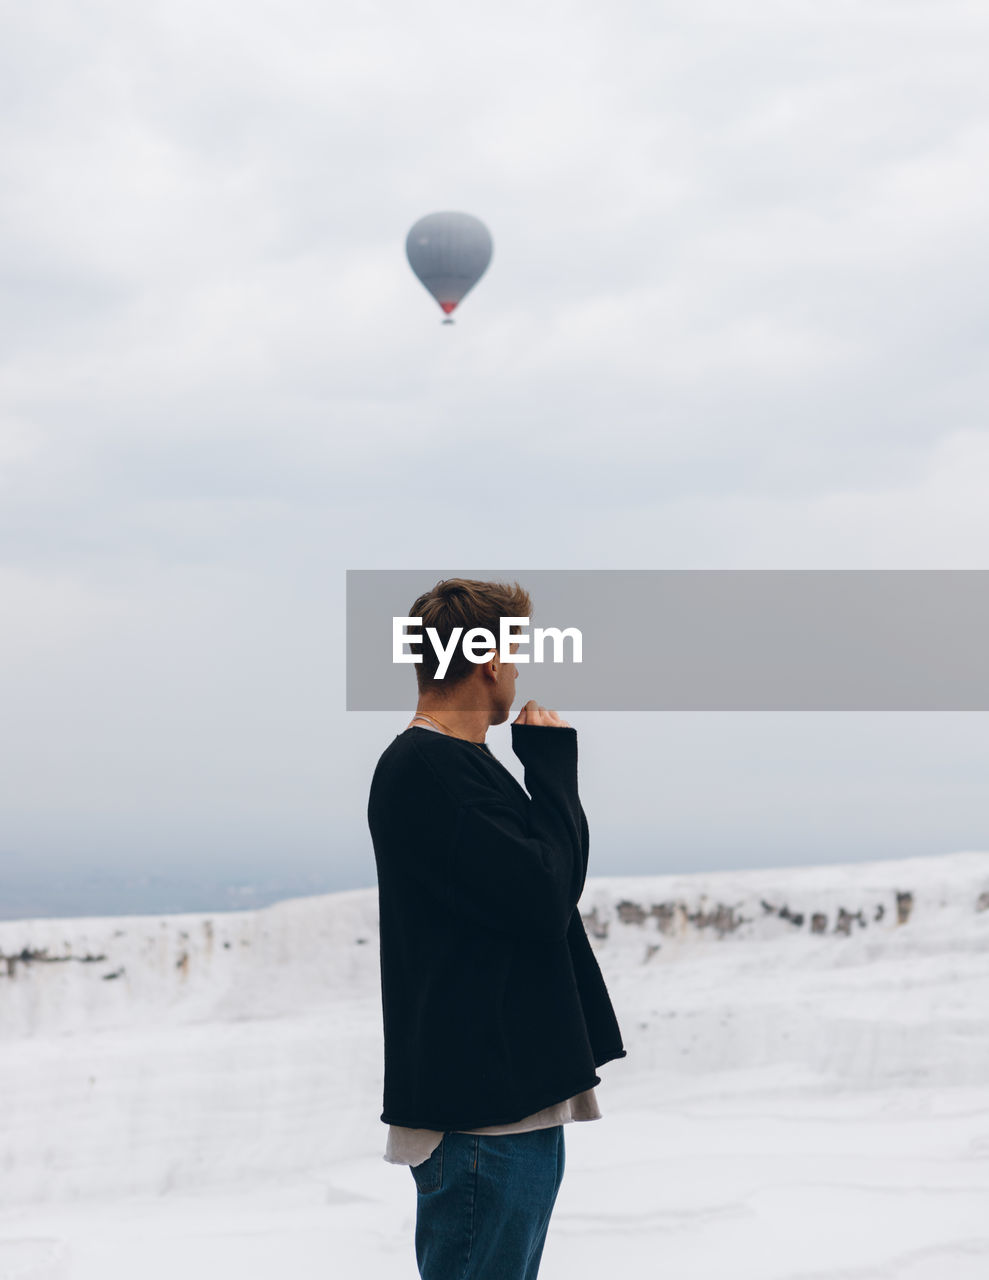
<point>449,252</point>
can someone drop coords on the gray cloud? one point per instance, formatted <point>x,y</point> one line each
<point>736,317</point>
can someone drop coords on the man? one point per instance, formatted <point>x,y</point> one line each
<point>495,1011</point>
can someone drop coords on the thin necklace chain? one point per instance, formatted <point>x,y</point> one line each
<point>419,715</point>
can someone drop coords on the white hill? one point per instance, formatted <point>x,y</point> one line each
<point>240,1052</point>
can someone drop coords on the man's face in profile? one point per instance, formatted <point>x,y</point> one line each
<point>505,690</point>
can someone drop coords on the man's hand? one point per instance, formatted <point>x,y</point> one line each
<point>533,713</point>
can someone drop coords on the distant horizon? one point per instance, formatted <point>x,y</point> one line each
<point>102,894</point>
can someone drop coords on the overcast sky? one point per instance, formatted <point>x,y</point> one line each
<point>737,317</point>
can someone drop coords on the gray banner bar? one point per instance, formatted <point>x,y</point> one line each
<point>713,640</point>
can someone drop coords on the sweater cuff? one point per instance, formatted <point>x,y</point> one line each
<point>543,739</point>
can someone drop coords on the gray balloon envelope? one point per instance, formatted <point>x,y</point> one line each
<point>449,252</point>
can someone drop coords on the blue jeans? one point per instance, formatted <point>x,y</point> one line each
<point>484,1204</point>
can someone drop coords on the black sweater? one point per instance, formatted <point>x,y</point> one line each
<point>494,1006</point>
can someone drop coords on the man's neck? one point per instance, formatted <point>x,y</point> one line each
<point>462,722</point>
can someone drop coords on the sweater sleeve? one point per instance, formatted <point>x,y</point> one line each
<point>520,871</point>
<point>525,741</point>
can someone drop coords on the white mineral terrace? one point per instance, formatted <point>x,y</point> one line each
<point>806,1092</point>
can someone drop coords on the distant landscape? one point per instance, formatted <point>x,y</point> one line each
<point>804,1094</point>
<point>26,894</point>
